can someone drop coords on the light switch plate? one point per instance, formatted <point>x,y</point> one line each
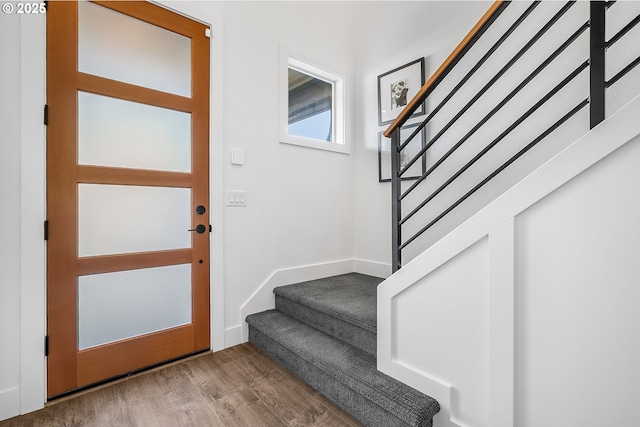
<point>237,157</point>
<point>237,198</point>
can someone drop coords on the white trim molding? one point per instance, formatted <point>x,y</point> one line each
<point>233,336</point>
<point>9,403</point>
<point>32,392</point>
<point>501,325</point>
<point>372,268</point>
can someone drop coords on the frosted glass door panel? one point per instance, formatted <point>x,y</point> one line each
<point>116,306</point>
<point>116,219</point>
<point>121,48</point>
<point>113,132</point>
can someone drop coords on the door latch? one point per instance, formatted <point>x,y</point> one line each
<point>200,228</point>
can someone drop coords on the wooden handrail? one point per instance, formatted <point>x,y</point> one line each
<point>443,69</point>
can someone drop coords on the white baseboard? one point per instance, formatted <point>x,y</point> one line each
<point>372,268</point>
<point>264,299</point>
<point>232,336</point>
<point>9,403</point>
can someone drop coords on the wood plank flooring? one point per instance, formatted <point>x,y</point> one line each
<point>235,387</point>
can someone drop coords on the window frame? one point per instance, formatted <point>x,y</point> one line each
<point>338,141</point>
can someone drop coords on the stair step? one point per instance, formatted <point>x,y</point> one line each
<point>342,306</point>
<point>344,374</point>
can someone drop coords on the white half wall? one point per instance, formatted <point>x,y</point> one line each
<point>525,314</point>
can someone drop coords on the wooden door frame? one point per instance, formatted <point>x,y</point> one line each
<point>62,110</point>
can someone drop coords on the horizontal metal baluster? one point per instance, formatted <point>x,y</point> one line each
<point>471,72</point>
<point>624,71</point>
<point>500,169</point>
<point>453,59</point>
<point>500,73</point>
<point>623,31</point>
<point>513,93</point>
<point>410,138</point>
<point>493,143</point>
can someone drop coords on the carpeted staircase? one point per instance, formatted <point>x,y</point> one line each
<point>324,331</point>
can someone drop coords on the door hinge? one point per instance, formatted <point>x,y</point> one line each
<point>208,33</point>
<point>46,345</point>
<point>210,228</point>
<point>46,114</point>
<point>46,230</point>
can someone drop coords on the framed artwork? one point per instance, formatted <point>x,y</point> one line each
<point>396,88</point>
<point>412,149</point>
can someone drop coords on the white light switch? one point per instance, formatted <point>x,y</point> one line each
<point>237,198</point>
<point>237,157</point>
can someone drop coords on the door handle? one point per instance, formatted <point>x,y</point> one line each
<point>200,228</point>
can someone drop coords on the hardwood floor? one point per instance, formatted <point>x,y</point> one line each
<point>236,387</point>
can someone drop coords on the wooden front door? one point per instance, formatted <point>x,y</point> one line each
<point>127,189</point>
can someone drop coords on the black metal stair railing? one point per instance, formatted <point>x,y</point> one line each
<point>595,99</point>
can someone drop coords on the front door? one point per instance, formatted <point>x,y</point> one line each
<point>127,189</point>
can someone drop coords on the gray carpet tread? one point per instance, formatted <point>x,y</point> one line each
<point>350,297</point>
<point>346,364</point>
<point>344,331</point>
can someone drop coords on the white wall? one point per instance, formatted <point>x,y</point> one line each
<point>531,304</point>
<point>299,199</point>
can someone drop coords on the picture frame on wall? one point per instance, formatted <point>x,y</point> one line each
<point>396,88</point>
<point>416,170</point>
